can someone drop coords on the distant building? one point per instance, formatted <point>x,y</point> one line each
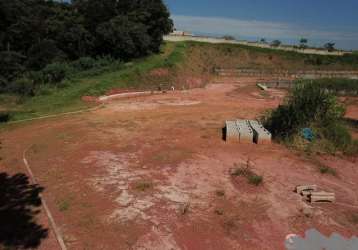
<point>181,33</point>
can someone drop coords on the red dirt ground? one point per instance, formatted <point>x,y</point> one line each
<point>154,173</point>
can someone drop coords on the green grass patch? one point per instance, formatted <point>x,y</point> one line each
<point>255,179</point>
<point>246,172</point>
<point>327,170</point>
<point>95,82</point>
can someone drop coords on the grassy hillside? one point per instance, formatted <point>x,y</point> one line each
<point>238,56</point>
<point>183,64</point>
<point>68,98</point>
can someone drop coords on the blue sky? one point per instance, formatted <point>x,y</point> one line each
<point>319,21</point>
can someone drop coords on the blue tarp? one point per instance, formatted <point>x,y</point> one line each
<point>308,134</point>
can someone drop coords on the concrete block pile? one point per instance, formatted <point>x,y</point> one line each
<point>232,132</point>
<point>261,135</point>
<point>245,131</point>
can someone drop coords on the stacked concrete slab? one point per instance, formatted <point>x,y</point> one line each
<point>232,132</point>
<point>261,135</point>
<point>245,131</point>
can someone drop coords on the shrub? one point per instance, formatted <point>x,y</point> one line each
<point>312,106</point>
<point>327,170</point>
<point>22,86</point>
<point>338,135</point>
<point>352,149</point>
<point>55,72</point>
<point>339,86</point>
<point>43,53</point>
<point>11,65</point>
<point>4,116</point>
<point>84,63</point>
<point>255,179</point>
<point>106,61</point>
<point>307,104</point>
<point>246,172</point>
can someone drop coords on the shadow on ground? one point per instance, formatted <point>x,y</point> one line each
<point>19,204</point>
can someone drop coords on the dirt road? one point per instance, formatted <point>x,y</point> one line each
<point>154,173</point>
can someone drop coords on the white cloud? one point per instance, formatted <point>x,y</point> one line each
<point>254,28</point>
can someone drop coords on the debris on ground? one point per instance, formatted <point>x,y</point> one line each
<point>308,134</point>
<point>313,195</point>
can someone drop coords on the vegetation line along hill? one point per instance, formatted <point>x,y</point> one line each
<point>180,62</point>
<point>45,43</point>
<point>66,98</point>
<point>41,40</point>
<point>53,53</point>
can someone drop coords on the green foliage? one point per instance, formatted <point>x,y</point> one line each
<point>55,72</point>
<point>338,85</point>
<point>124,38</point>
<point>352,149</point>
<point>246,172</point>
<point>11,65</point>
<point>84,63</point>
<point>22,86</point>
<point>338,135</point>
<point>4,116</point>
<point>53,33</point>
<point>42,54</point>
<point>109,74</point>
<point>255,179</point>
<point>311,105</point>
<point>307,104</point>
<point>327,170</point>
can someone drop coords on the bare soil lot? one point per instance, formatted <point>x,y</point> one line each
<point>154,173</point>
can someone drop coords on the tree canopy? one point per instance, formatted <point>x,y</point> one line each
<point>35,33</point>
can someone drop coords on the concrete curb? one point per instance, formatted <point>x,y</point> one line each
<point>128,95</point>
<point>54,227</point>
<point>57,115</point>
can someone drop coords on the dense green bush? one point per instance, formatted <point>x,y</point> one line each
<point>312,106</point>
<point>43,53</point>
<point>87,63</point>
<point>308,104</point>
<point>338,135</point>
<point>55,72</point>
<point>11,65</point>
<point>4,116</point>
<point>22,86</point>
<point>84,63</point>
